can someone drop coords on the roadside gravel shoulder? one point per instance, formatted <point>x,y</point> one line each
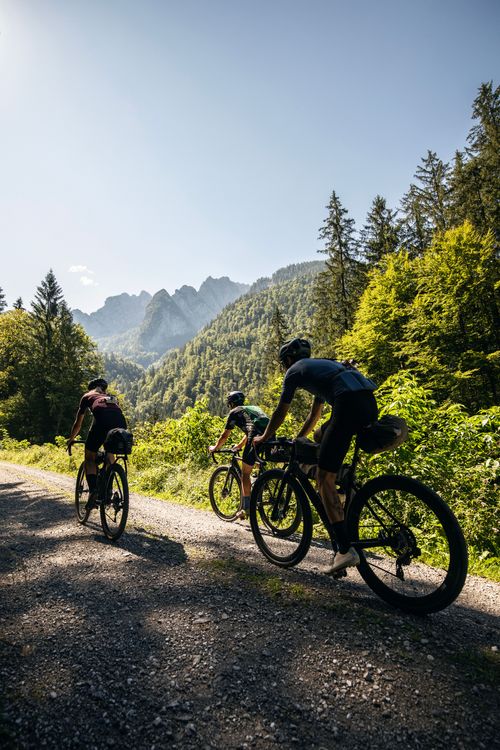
<point>182,635</point>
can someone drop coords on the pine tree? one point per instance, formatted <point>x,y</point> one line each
<point>434,191</point>
<point>45,307</point>
<point>474,182</point>
<point>416,230</point>
<point>380,234</point>
<point>3,303</point>
<point>340,285</point>
<point>60,361</point>
<point>279,332</point>
<point>18,304</point>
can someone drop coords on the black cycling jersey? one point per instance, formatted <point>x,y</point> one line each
<point>324,378</point>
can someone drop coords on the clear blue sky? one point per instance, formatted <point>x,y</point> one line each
<point>151,143</point>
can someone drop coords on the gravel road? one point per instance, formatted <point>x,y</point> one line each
<point>182,636</point>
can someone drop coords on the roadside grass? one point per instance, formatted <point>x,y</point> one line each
<point>482,664</point>
<point>184,483</point>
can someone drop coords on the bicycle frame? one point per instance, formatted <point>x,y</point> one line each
<point>349,487</point>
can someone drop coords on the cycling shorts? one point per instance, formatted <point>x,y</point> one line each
<point>249,456</point>
<point>351,411</point>
<point>100,428</point>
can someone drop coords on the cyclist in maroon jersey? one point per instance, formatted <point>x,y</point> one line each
<point>107,415</point>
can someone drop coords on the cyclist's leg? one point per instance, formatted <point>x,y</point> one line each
<point>95,439</point>
<point>351,412</point>
<point>247,464</point>
<point>92,444</point>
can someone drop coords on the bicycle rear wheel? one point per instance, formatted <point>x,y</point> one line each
<point>419,562</point>
<point>280,517</point>
<point>114,504</point>
<point>224,490</point>
<point>81,495</point>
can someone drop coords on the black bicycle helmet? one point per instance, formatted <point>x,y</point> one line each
<point>296,349</point>
<point>98,383</point>
<point>235,398</point>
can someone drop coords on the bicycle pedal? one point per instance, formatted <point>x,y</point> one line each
<point>340,574</point>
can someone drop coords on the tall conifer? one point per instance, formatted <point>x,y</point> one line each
<point>380,234</point>
<point>339,286</point>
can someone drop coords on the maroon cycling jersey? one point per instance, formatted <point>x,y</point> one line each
<point>100,404</point>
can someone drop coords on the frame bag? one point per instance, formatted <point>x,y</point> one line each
<point>386,434</point>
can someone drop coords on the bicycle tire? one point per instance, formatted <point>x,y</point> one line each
<point>275,545</point>
<point>81,495</point>
<point>225,507</point>
<point>115,503</point>
<point>418,528</point>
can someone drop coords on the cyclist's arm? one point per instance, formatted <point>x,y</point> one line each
<point>241,444</point>
<point>77,426</point>
<point>276,421</point>
<point>220,442</point>
<point>312,418</point>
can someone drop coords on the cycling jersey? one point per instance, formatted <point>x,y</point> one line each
<point>107,415</point>
<point>100,404</point>
<point>250,419</point>
<point>326,379</point>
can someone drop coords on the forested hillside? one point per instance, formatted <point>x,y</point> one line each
<point>232,351</point>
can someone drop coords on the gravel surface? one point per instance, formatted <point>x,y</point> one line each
<point>181,635</point>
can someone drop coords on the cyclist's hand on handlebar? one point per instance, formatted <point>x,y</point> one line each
<point>212,449</point>
<point>258,439</point>
<point>69,443</point>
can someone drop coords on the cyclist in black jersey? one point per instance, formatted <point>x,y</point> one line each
<point>354,406</point>
<point>252,421</point>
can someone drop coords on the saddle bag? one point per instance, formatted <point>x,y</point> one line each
<point>386,434</point>
<point>119,440</point>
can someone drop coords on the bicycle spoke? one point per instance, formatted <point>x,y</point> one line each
<point>414,556</point>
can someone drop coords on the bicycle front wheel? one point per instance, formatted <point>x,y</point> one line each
<point>224,490</point>
<point>114,504</point>
<point>81,495</point>
<point>415,556</point>
<point>280,517</point>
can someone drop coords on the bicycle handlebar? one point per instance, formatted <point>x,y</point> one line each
<point>224,450</point>
<point>75,442</point>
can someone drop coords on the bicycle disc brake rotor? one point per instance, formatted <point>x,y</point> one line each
<point>402,541</point>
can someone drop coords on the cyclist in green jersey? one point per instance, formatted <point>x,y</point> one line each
<point>252,421</point>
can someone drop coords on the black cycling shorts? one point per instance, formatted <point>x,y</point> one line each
<point>99,430</point>
<point>249,456</point>
<point>351,412</point>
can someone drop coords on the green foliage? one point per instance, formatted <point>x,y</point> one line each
<point>376,337</point>
<point>437,315</point>
<point>126,375</point>
<point>456,454</point>
<point>452,336</point>
<point>45,362</point>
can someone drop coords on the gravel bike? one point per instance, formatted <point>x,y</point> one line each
<point>113,494</point>
<point>224,490</point>
<point>412,550</point>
